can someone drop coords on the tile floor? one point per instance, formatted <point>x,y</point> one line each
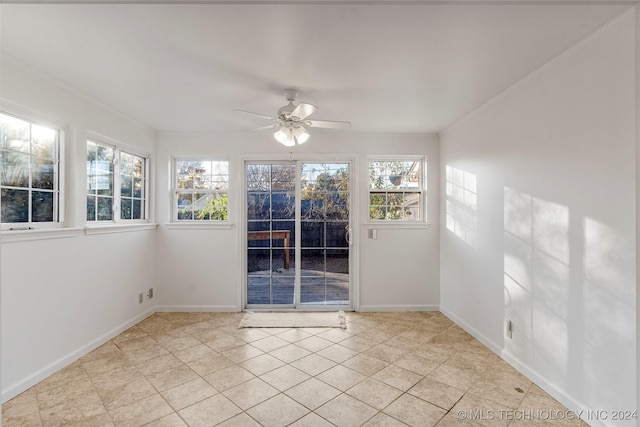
<point>199,369</point>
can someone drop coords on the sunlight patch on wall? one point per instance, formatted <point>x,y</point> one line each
<point>609,307</point>
<point>537,279</point>
<point>462,204</point>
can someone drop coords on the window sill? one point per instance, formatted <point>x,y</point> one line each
<point>118,228</point>
<point>10,236</point>
<point>397,225</point>
<point>199,226</point>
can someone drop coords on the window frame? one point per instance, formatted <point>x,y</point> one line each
<point>421,191</point>
<point>34,118</point>
<point>175,191</point>
<point>118,148</point>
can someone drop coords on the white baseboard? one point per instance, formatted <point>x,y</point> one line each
<point>425,307</point>
<point>16,388</point>
<point>569,402</point>
<point>198,308</point>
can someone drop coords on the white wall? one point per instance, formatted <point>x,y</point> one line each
<point>201,268</point>
<point>551,244</point>
<point>62,297</point>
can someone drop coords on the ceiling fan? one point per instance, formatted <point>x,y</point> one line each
<point>291,124</point>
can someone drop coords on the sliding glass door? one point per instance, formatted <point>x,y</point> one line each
<point>298,234</point>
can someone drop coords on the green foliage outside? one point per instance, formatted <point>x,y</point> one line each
<point>216,208</point>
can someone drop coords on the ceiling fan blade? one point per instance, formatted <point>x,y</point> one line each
<point>329,124</point>
<point>303,110</point>
<point>267,127</point>
<point>257,115</point>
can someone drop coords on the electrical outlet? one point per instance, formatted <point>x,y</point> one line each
<point>509,329</point>
<point>140,298</point>
<point>150,293</point>
<point>373,234</point>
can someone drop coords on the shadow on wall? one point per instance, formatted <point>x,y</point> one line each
<point>569,296</point>
<point>462,204</point>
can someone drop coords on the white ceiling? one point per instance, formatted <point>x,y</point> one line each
<point>410,67</point>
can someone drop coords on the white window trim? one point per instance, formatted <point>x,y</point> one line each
<point>15,229</point>
<point>117,223</point>
<point>195,224</point>
<point>386,223</point>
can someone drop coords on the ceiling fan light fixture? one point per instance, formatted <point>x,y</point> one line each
<point>301,134</point>
<point>284,136</point>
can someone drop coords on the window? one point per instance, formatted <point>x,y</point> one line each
<point>116,184</point>
<point>30,173</point>
<point>201,190</point>
<point>396,190</point>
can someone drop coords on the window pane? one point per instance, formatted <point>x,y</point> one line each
<point>15,205</point>
<point>137,210</point>
<point>258,206</point>
<point>91,208</point>
<point>43,141</point>
<point>15,169</point>
<point>14,133</point>
<point>42,206</point>
<point>137,187</point>
<point>125,209</point>
<point>185,209</point>
<point>43,171</point>
<point>126,186</point>
<point>105,209</point>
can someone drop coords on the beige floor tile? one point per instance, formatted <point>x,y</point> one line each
<point>68,375</point>
<point>128,335</point>
<point>187,394</point>
<point>190,354</point>
<point>269,343</point>
<point>224,343</point>
<point>542,410</point>
<point>278,411</point>
<point>290,353</point>
<point>386,353</point>
<point>127,393</point>
<point>337,353</point>
<point>397,377</point>
<point>437,393</point>
<point>481,411</point>
<point>507,390</point>
<point>365,364</point>
<point>312,393</point>
<point>313,364</point>
<point>285,377</point>
<point>261,364</point>
<point>250,393</point>
<point>294,335</point>
<point>454,420</point>
<point>312,420</point>
<point>358,343</point>
<point>373,361</point>
<point>21,406</point>
<point>415,412</point>
<point>240,420</point>
<point>383,420</point>
<point>249,335</point>
<point>159,364</point>
<point>241,353</point>
<point>346,411</point>
<point>335,335</point>
<point>172,378</point>
<point>374,393</point>
<point>314,343</point>
<point>341,377</point>
<point>171,420</point>
<point>414,363</point>
<point>209,365</point>
<point>209,412</point>
<point>228,377</point>
<point>141,412</point>
<point>455,377</point>
<point>102,420</point>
